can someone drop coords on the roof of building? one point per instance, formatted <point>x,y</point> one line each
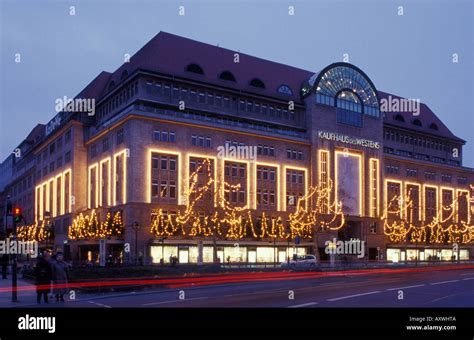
<point>96,88</point>
<point>171,54</point>
<point>425,121</point>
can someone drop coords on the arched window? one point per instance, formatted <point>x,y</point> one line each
<point>285,89</point>
<point>124,75</point>
<point>255,82</point>
<point>226,75</point>
<point>194,68</point>
<point>343,76</point>
<point>399,118</point>
<point>434,126</point>
<point>348,100</point>
<point>417,122</point>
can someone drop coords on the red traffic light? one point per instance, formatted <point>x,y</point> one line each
<point>17,216</point>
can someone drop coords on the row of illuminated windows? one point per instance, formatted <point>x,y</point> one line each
<point>420,156</point>
<point>416,202</point>
<point>206,142</point>
<point>209,98</point>
<point>54,147</point>
<point>60,161</point>
<point>118,100</point>
<point>232,121</point>
<point>202,141</point>
<point>107,181</point>
<point>53,197</point>
<point>294,154</point>
<point>105,143</point>
<point>190,254</point>
<point>265,150</point>
<point>417,141</point>
<point>429,175</point>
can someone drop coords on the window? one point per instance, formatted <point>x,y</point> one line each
<point>202,141</point>
<point>294,154</point>
<point>105,144</point>
<point>330,83</point>
<point>257,83</point>
<point>265,150</point>
<point>164,163</point>
<point>411,172</point>
<point>431,175</point>
<point>349,117</point>
<point>194,68</point>
<point>433,126</point>
<point>67,137</point>
<point>154,188</point>
<point>446,178</point>
<point>93,150</point>
<point>285,89</point>
<point>391,169</point>
<point>417,122</point>
<point>164,136</point>
<point>399,118</point>
<point>59,142</point>
<point>226,75</point>
<point>120,136</point>
<point>67,157</point>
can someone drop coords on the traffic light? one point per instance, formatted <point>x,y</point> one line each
<point>17,216</point>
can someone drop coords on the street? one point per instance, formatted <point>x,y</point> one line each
<point>433,288</point>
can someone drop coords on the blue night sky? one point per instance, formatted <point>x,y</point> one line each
<point>409,55</point>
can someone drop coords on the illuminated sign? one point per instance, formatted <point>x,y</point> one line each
<point>336,137</point>
<point>53,124</point>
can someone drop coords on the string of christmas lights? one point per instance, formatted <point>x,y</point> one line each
<point>440,230</point>
<point>207,213</point>
<point>35,232</point>
<point>89,227</point>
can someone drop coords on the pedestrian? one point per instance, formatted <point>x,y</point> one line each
<point>43,277</point>
<point>60,276</point>
<point>4,261</point>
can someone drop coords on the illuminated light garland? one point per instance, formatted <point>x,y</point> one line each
<point>89,227</point>
<point>439,231</point>
<point>201,217</point>
<point>35,232</point>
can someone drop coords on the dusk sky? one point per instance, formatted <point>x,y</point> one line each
<point>408,55</point>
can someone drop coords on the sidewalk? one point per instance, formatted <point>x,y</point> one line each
<point>27,296</point>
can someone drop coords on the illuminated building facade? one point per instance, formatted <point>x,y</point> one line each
<point>178,103</point>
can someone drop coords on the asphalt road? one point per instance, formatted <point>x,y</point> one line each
<point>437,288</point>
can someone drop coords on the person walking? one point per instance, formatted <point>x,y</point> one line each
<point>60,276</point>
<point>43,277</point>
